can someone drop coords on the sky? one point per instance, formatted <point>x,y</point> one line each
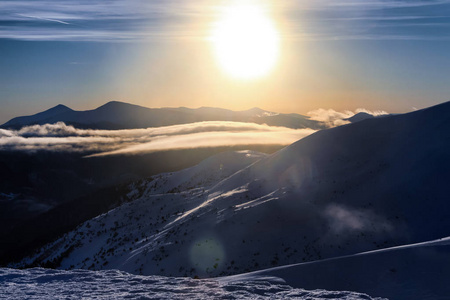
<point>330,54</point>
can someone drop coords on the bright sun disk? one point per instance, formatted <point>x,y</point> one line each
<point>245,41</point>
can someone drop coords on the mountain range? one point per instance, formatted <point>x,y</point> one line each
<point>374,184</point>
<point>121,115</point>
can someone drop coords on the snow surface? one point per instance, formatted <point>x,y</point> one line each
<point>123,238</point>
<point>414,272</point>
<point>47,284</point>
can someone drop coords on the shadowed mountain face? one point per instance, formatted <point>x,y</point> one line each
<point>45,194</point>
<point>377,183</point>
<point>119,115</point>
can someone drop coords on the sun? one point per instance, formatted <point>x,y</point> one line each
<point>245,41</point>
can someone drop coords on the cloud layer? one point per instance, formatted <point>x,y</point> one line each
<point>133,20</point>
<point>61,137</point>
<point>94,142</point>
<point>334,118</point>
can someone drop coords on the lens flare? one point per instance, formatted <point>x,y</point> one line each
<point>207,255</point>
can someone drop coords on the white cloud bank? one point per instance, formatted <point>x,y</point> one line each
<point>334,118</point>
<point>62,137</point>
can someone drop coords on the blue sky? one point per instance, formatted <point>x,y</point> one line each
<point>389,55</point>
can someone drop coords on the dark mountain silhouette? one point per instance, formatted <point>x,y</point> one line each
<point>120,115</point>
<point>39,118</point>
<point>359,117</point>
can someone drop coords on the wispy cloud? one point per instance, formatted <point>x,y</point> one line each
<point>45,19</point>
<point>375,113</point>
<point>343,220</point>
<point>61,137</point>
<point>377,4</point>
<point>370,20</point>
<point>138,20</point>
<point>330,117</point>
<point>283,136</point>
<point>96,20</point>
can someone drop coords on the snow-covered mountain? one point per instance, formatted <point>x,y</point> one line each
<point>373,184</point>
<point>120,115</point>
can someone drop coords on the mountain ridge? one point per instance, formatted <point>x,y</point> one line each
<point>39,117</point>
<point>122,115</point>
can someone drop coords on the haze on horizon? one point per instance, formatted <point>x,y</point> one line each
<point>295,56</point>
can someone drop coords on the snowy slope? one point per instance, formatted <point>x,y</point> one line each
<point>156,201</point>
<point>417,271</point>
<point>369,185</point>
<point>120,115</point>
<point>82,284</point>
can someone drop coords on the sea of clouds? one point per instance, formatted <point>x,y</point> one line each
<point>92,142</point>
<point>62,137</point>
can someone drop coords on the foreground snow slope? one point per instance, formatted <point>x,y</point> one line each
<point>413,272</point>
<point>373,184</point>
<point>82,284</point>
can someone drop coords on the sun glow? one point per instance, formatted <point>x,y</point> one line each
<point>245,41</point>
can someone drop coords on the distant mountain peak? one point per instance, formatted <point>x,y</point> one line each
<point>113,103</point>
<point>37,118</point>
<point>255,110</point>
<point>360,117</point>
<point>59,108</point>
<point>118,105</point>
<point>62,106</point>
<point>258,112</point>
